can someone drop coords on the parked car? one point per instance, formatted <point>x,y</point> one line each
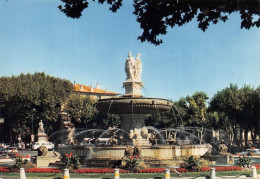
<point>2,149</point>
<point>4,145</point>
<point>11,150</point>
<point>251,152</point>
<point>21,146</point>
<point>49,145</point>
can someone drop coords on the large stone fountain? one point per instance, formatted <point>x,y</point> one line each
<point>133,109</point>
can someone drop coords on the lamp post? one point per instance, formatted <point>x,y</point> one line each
<point>32,119</point>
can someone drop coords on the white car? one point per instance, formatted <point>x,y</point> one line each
<point>4,145</point>
<point>11,150</point>
<point>49,145</point>
<point>251,151</point>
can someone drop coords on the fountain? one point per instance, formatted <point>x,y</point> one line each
<point>133,109</point>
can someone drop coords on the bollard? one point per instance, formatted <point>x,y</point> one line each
<point>116,174</point>
<point>167,174</point>
<point>22,173</point>
<point>253,172</point>
<point>66,174</point>
<point>212,173</point>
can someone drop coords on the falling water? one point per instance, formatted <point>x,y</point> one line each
<point>173,106</point>
<point>157,132</point>
<point>116,131</point>
<point>109,106</point>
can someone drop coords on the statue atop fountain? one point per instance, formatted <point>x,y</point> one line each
<point>133,69</point>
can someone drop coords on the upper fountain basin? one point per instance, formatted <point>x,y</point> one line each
<point>134,105</point>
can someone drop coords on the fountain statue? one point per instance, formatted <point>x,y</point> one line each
<point>42,139</point>
<point>138,139</point>
<point>42,145</point>
<point>133,69</point>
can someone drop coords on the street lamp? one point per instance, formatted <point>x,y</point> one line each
<point>32,119</point>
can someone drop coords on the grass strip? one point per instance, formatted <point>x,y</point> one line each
<point>123,175</point>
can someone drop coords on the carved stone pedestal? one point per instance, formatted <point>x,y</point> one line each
<point>133,88</point>
<point>133,124</point>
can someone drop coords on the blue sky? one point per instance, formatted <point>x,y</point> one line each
<point>36,37</point>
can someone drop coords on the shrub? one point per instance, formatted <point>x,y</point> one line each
<point>191,164</point>
<point>18,161</point>
<point>30,165</point>
<point>131,164</point>
<point>244,161</point>
<point>71,161</point>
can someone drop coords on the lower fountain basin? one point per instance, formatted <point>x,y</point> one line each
<point>134,105</point>
<point>153,156</point>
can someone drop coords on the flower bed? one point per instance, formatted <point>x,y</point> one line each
<point>43,170</point>
<point>110,170</point>
<point>151,170</point>
<point>220,169</point>
<point>98,170</point>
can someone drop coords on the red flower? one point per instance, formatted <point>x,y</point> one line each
<point>68,156</point>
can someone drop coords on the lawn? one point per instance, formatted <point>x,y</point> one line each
<point>122,175</point>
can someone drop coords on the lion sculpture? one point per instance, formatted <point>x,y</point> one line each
<point>42,151</point>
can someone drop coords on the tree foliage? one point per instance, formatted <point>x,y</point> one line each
<point>237,109</point>
<point>188,111</point>
<point>28,98</point>
<point>85,115</point>
<point>194,109</point>
<point>81,110</point>
<point>164,120</point>
<point>155,17</point>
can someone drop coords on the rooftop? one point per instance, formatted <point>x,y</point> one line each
<point>90,89</point>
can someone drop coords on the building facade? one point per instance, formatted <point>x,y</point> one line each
<point>94,92</point>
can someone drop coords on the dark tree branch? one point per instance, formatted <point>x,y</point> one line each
<point>155,16</point>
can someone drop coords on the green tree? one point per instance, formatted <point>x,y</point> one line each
<point>104,121</point>
<point>27,99</point>
<point>85,115</point>
<point>164,120</point>
<point>155,17</point>
<point>197,111</point>
<point>227,102</point>
<point>257,111</point>
<point>237,110</point>
<point>81,110</point>
<point>248,115</point>
<point>193,109</point>
<point>188,111</point>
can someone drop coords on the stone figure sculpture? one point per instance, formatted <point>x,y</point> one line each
<point>133,68</point>
<point>223,149</point>
<point>172,138</point>
<point>128,152</point>
<point>40,129</point>
<point>129,67</point>
<point>138,68</point>
<point>153,138</point>
<point>42,151</point>
<point>137,152</point>
<point>144,133</point>
<point>113,139</point>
